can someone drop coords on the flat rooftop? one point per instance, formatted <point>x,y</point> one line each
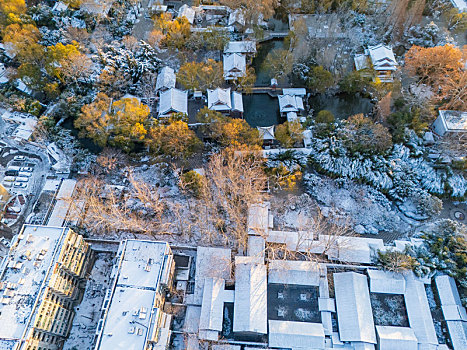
<point>131,312</point>
<point>23,276</point>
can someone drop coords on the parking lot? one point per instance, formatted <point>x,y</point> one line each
<point>22,175</point>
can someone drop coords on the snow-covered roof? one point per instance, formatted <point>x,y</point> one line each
<point>352,249</point>
<point>290,103</point>
<point>23,280</point>
<point>461,5</point>
<point>354,313</point>
<point>258,218</point>
<point>418,310</point>
<point>294,91</point>
<point>453,311</point>
<point>237,102</point>
<point>250,307</point>
<point>219,99</point>
<point>266,132</point>
<point>142,268</point>
<point>386,282</point>
<point>173,101</point>
<point>390,337</point>
<point>361,61</point>
<point>382,57</point>
<point>455,121</point>
<point>256,246</point>
<point>210,262</point>
<point>62,204</point>
<point>212,307</point>
<point>236,17</point>
<point>26,124</point>
<point>97,7</point>
<point>166,79</point>
<point>294,272</point>
<point>246,47</point>
<point>59,7</point>
<point>222,100</point>
<point>234,65</point>
<point>296,335</point>
<point>187,12</point>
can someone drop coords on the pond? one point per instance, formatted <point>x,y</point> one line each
<point>86,143</point>
<point>341,105</point>
<point>261,110</point>
<point>262,76</point>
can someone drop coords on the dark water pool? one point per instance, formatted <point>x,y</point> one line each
<point>261,110</point>
<point>342,105</point>
<point>262,76</point>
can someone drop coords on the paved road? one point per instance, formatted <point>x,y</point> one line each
<point>143,25</point>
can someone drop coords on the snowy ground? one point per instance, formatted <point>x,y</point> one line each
<point>88,312</point>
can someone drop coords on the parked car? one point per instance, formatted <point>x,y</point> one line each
<point>27,169</point>
<point>7,184</point>
<point>24,174</point>
<point>21,185</point>
<point>14,167</point>
<point>11,172</point>
<point>19,158</point>
<point>9,179</point>
<point>22,179</point>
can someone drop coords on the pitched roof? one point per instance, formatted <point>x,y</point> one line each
<point>418,310</point>
<point>294,91</point>
<point>247,47</point>
<point>214,296</point>
<point>234,65</point>
<point>219,99</point>
<point>296,335</point>
<point>382,57</point>
<point>290,103</point>
<point>173,100</point>
<point>266,132</point>
<point>294,272</point>
<point>187,12</point>
<point>390,337</point>
<point>236,17</point>
<point>166,78</point>
<point>250,307</point>
<point>237,102</point>
<point>386,282</point>
<point>354,313</point>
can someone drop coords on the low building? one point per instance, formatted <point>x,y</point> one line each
<point>453,312</point>
<point>39,286</point>
<point>132,312</point>
<point>188,12</point>
<point>166,79</point>
<point>381,59</point>
<point>267,134</point>
<point>236,20</point>
<point>226,101</point>
<point>247,47</point>
<point>451,123</point>
<point>290,104</point>
<point>59,7</point>
<point>234,66</point>
<point>173,101</point>
<point>25,124</point>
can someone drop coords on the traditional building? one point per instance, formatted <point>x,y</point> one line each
<point>226,102</point>
<point>173,101</point>
<point>166,79</point>
<point>234,66</point>
<point>381,59</point>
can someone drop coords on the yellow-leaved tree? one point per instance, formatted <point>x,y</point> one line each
<point>122,123</point>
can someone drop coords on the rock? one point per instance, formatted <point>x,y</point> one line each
<point>372,230</point>
<point>145,167</point>
<point>325,211</point>
<point>359,229</point>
